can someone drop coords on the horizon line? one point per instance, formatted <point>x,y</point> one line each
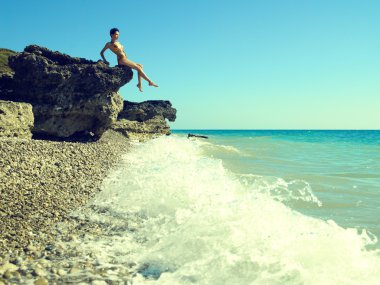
<point>275,129</point>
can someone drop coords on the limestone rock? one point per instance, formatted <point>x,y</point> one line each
<point>145,120</point>
<point>142,130</point>
<point>16,119</point>
<point>147,110</point>
<point>69,95</point>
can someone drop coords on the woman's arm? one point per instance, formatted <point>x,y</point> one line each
<point>102,53</point>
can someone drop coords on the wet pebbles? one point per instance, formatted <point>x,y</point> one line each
<point>41,183</point>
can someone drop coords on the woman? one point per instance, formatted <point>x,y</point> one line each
<point>122,59</point>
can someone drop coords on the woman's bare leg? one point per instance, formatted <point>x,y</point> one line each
<point>139,85</point>
<point>137,67</point>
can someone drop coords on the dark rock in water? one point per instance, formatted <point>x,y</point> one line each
<point>147,110</point>
<point>144,120</point>
<point>196,136</point>
<point>152,271</point>
<point>69,95</point>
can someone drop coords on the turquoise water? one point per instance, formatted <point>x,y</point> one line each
<point>244,207</point>
<point>341,167</point>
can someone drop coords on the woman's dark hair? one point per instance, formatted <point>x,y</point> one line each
<point>113,30</point>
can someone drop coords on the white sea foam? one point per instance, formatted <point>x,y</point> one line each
<point>190,221</point>
<point>281,190</point>
<point>210,147</point>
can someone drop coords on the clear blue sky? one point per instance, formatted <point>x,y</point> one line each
<point>268,64</point>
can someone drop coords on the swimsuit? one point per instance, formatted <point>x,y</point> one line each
<point>119,52</point>
<point>118,49</point>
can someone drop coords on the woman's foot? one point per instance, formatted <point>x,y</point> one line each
<point>151,83</point>
<point>139,87</point>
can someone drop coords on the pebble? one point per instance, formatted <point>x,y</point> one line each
<point>73,238</point>
<point>39,272</point>
<point>18,261</point>
<point>74,270</point>
<point>31,248</point>
<point>61,272</point>
<point>8,267</point>
<point>41,281</point>
<point>8,274</point>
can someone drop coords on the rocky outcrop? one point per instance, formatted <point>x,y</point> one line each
<point>145,120</point>
<point>147,110</point>
<point>69,95</point>
<point>16,119</point>
<point>74,97</point>
<point>142,130</point>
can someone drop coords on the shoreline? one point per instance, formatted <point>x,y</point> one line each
<point>42,182</point>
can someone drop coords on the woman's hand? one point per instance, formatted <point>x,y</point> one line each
<point>102,53</point>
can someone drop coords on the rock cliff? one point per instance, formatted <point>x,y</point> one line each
<point>144,120</point>
<point>68,95</point>
<point>73,97</point>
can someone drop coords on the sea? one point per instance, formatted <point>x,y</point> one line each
<point>246,207</point>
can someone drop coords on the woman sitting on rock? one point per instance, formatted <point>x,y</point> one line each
<point>122,59</point>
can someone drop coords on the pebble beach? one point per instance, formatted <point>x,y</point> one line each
<point>42,182</point>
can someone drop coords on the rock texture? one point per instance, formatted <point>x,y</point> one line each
<point>142,130</point>
<point>16,119</point>
<point>147,110</point>
<point>74,97</point>
<point>145,120</point>
<point>6,86</point>
<point>69,95</point>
